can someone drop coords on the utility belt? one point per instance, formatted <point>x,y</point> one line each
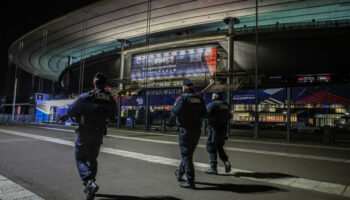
<point>91,129</point>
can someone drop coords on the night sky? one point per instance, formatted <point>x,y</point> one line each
<point>20,17</point>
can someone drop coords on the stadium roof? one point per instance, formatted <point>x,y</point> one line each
<point>96,28</point>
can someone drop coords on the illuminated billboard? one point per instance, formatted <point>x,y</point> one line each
<point>195,61</point>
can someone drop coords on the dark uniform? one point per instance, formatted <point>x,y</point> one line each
<point>189,109</point>
<point>218,117</point>
<point>90,110</point>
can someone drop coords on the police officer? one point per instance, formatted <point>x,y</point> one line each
<point>188,109</point>
<point>91,110</point>
<point>218,116</point>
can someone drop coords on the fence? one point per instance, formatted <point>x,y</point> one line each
<point>22,119</point>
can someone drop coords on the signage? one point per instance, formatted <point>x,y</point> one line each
<point>265,96</point>
<point>314,78</point>
<point>195,61</point>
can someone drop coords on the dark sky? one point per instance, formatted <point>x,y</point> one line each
<point>21,16</point>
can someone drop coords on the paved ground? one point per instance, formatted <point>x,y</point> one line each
<point>139,165</point>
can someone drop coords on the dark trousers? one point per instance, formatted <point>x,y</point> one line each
<point>87,148</point>
<point>215,145</point>
<point>188,140</point>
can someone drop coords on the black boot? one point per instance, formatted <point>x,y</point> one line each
<point>188,184</point>
<point>212,170</point>
<point>179,176</point>
<point>227,166</point>
<point>90,189</point>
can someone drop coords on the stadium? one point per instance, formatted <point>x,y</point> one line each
<point>285,59</point>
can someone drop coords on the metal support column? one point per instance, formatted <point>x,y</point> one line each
<point>327,138</point>
<point>132,123</point>
<point>163,125</point>
<point>14,100</point>
<point>230,68</point>
<point>119,122</point>
<point>147,112</point>
<point>256,127</point>
<point>15,86</point>
<point>204,128</point>
<point>288,114</point>
<point>121,75</point>
<point>53,89</point>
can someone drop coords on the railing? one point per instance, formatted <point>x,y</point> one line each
<point>295,26</point>
<point>22,119</point>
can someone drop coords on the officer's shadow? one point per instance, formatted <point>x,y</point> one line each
<point>127,197</point>
<point>246,188</point>
<point>237,188</point>
<point>260,175</point>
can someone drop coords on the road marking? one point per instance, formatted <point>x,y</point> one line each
<point>303,156</point>
<point>346,192</point>
<point>307,184</point>
<point>10,191</point>
<point>15,140</point>
<point>58,129</point>
<point>245,141</point>
<point>231,140</point>
<point>290,155</point>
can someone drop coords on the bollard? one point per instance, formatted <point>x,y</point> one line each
<point>204,127</point>
<point>132,123</point>
<point>163,125</point>
<point>327,135</point>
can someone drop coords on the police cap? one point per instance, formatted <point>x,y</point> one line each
<point>100,79</point>
<point>187,82</point>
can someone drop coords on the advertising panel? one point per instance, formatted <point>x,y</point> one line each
<point>317,94</point>
<point>265,96</point>
<point>195,61</point>
<point>161,96</point>
<point>52,109</point>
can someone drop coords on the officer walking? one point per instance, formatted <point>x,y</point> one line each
<point>91,110</point>
<point>188,109</point>
<point>218,116</point>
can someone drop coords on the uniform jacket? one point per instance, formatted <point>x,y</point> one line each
<point>92,109</point>
<point>218,113</point>
<point>189,109</point>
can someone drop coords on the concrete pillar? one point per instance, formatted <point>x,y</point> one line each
<point>121,76</point>
<point>163,125</point>
<point>14,100</point>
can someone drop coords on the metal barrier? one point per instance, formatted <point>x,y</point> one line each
<point>21,119</point>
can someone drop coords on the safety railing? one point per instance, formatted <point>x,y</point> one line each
<point>22,119</point>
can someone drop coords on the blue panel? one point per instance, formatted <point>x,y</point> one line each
<point>41,116</point>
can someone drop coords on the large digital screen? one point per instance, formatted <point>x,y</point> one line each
<point>195,61</point>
